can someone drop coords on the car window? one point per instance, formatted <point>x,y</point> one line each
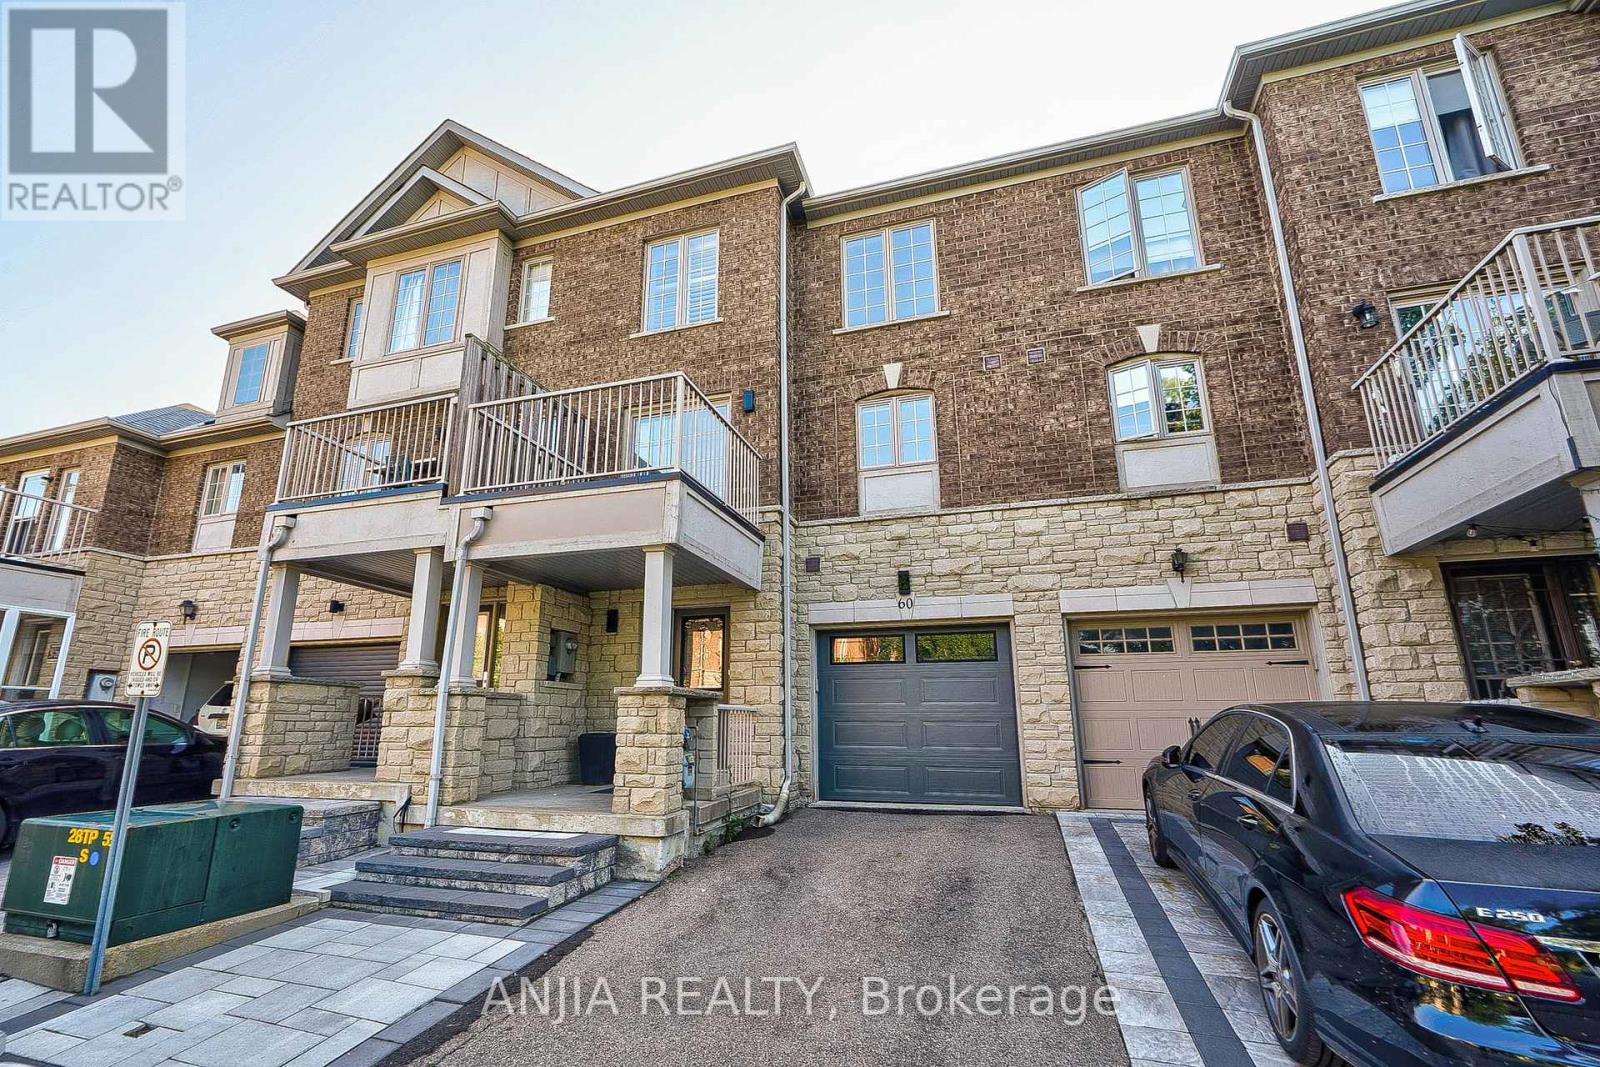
<point>5,732</point>
<point>1206,748</point>
<point>42,729</point>
<point>157,731</point>
<point>1260,759</point>
<point>1522,792</point>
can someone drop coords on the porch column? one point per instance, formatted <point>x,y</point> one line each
<point>8,637</point>
<point>458,660</point>
<point>1589,492</point>
<point>655,646</point>
<point>283,590</point>
<point>422,633</point>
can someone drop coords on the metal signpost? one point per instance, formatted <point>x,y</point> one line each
<point>145,671</point>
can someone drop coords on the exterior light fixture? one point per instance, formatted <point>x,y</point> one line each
<point>1366,315</point>
<point>1180,561</point>
<point>336,607</point>
<point>189,610</point>
<point>1472,529</point>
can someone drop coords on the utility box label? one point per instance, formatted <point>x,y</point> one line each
<point>149,663</point>
<point>58,889</point>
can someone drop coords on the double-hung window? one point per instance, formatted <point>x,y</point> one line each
<point>1158,398</point>
<point>680,281</point>
<point>1440,124</point>
<point>223,486</point>
<point>425,305</point>
<point>890,275</point>
<point>1138,227</point>
<point>535,306</point>
<point>252,373</point>
<point>896,432</point>
<point>352,334</point>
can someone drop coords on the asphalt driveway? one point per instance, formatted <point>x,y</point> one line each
<point>827,918</point>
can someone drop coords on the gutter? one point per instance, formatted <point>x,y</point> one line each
<point>786,536</point>
<point>441,706</point>
<point>1341,566</point>
<point>241,692</point>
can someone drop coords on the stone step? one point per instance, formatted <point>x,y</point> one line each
<point>333,829</point>
<point>472,905</point>
<point>450,872</point>
<point>582,852</point>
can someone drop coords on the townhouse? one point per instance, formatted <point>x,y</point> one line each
<point>640,512</point>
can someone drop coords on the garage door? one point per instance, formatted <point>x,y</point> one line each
<point>918,717</point>
<point>363,664</point>
<point>1142,684</point>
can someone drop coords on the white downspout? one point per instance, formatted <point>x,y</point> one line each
<point>441,705</point>
<point>1341,568</point>
<point>786,539</point>
<point>247,657</point>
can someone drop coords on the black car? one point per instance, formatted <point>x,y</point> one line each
<point>1419,884</point>
<point>63,756</point>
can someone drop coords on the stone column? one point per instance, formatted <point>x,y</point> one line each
<point>283,590</point>
<point>1589,492</point>
<point>655,646</point>
<point>422,633</point>
<point>8,637</point>
<point>458,660</point>
<point>649,778</point>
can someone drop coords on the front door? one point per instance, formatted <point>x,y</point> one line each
<point>1523,617</point>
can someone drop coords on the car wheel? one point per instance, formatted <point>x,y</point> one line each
<point>1283,990</point>
<point>1158,840</point>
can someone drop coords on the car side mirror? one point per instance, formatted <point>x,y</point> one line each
<point>1172,757</point>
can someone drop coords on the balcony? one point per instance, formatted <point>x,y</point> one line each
<point>1485,412</point>
<point>581,479</point>
<point>43,530</point>
<point>43,544</point>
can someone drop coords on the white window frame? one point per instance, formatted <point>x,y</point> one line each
<point>1497,134</point>
<point>355,325</point>
<point>1141,266</point>
<point>681,314</point>
<point>887,233</point>
<point>893,402</point>
<point>428,270</point>
<point>523,318</point>
<point>1152,367</point>
<point>238,374</point>
<point>61,519</point>
<point>33,502</point>
<point>224,472</point>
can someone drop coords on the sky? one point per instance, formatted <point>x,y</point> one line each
<point>297,109</point>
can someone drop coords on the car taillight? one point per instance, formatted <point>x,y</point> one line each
<point>1447,947</point>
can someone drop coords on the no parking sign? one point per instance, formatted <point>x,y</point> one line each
<point>149,663</point>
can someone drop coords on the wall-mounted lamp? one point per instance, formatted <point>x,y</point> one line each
<point>189,610</point>
<point>902,581</point>
<point>612,620</point>
<point>336,607</point>
<point>1365,314</point>
<point>1180,561</point>
<point>748,401</point>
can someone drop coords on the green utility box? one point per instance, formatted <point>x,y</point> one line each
<point>184,865</point>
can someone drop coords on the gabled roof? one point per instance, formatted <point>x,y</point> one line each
<point>434,151</point>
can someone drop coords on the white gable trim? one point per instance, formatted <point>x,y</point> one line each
<point>381,220</point>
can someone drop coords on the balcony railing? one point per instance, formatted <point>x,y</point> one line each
<point>736,743</point>
<point>572,436</point>
<point>392,446</point>
<point>1533,300</point>
<point>42,528</point>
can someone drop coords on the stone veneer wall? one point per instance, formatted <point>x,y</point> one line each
<point>102,636</point>
<point>296,726</point>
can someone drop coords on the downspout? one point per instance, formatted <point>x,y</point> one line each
<point>247,658</point>
<point>786,538</point>
<point>452,627</point>
<point>1341,567</point>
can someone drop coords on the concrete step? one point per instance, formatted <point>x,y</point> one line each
<point>582,852</point>
<point>333,829</point>
<point>449,872</point>
<point>510,909</point>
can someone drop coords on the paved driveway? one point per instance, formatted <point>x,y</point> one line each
<point>831,897</point>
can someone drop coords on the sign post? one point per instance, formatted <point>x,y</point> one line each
<point>145,672</point>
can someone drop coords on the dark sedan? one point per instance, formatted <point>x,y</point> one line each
<point>58,757</point>
<point>1418,883</point>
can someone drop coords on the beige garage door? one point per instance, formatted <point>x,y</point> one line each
<point>1140,682</point>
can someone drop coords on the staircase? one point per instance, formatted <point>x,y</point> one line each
<point>494,876</point>
<point>333,829</point>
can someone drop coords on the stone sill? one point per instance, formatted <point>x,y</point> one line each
<point>675,329</point>
<point>1521,172</point>
<point>1579,678</point>
<point>1119,282</point>
<point>940,314</point>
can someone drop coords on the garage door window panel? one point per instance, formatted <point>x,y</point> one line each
<point>1244,637</point>
<point>975,647</point>
<point>1124,640</point>
<point>869,648</point>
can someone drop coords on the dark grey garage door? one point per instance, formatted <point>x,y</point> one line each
<point>918,717</point>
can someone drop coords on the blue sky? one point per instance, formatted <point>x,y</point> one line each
<point>296,109</point>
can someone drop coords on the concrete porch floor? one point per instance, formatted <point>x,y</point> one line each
<point>570,808</point>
